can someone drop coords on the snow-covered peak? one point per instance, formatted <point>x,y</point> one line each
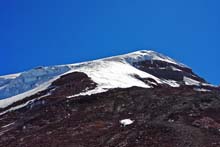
<point>108,73</point>
<point>143,55</point>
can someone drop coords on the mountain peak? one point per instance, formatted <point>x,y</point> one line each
<point>143,68</point>
<point>124,98</point>
<point>142,55</point>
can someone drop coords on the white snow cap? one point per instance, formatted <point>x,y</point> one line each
<point>108,73</point>
<point>143,55</point>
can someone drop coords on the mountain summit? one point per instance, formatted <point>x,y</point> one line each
<point>142,98</point>
<point>122,71</point>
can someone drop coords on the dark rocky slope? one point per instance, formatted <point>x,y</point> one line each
<point>163,117</point>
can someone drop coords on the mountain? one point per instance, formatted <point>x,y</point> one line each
<point>138,99</point>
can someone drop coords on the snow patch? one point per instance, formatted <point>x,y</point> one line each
<point>175,69</point>
<point>189,81</point>
<point>202,89</point>
<point>90,92</point>
<point>5,126</point>
<point>126,122</point>
<point>172,83</point>
<point>210,85</point>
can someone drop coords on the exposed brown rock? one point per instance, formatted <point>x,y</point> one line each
<point>165,70</point>
<point>163,117</point>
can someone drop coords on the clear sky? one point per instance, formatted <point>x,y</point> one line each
<point>49,32</point>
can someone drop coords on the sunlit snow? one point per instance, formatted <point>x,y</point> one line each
<point>108,73</point>
<point>126,122</point>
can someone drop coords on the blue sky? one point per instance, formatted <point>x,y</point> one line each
<point>49,32</point>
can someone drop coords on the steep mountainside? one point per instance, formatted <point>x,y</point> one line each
<point>138,99</point>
